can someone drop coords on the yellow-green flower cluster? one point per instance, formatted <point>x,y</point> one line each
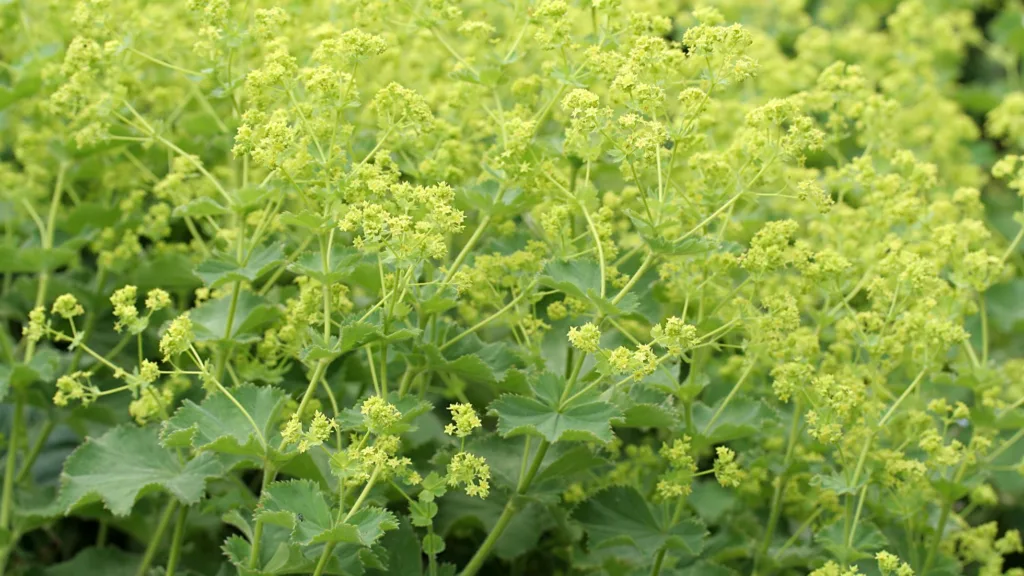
<point>35,329</point>
<point>638,362</point>
<point>177,338</point>
<point>123,301</point>
<point>75,387</point>
<point>470,471</point>
<point>464,420</point>
<point>379,416</point>
<point>677,479</point>
<point>675,335</point>
<point>318,431</point>
<point>586,338</point>
<point>727,470</point>
<point>66,306</point>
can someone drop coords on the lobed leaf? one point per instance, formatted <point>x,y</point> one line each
<point>620,515</point>
<point>218,425</point>
<point>583,419</point>
<point>127,461</point>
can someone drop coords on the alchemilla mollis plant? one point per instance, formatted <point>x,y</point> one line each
<point>567,287</point>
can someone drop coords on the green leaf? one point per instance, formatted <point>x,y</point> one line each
<point>168,271</point>
<point>433,544</point>
<point>89,216</point>
<point>575,278</point>
<point>488,198</point>
<point>366,526</point>
<point>422,513</point>
<point>711,501</point>
<point>581,279</point>
<point>438,301</point>
<point>741,418</point>
<point>647,416</point>
<point>836,482</point>
<point>471,360</point>
<point>302,506</point>
<point>353,334</point>
<point>662,243</point>
<point>218,425</point>
<point>252,313</point>
<point>1004,309</point>
<point>33,260</point>
<point>867,540</point>
<point>248,198</point>
<point>521,535</point>
<point>582,419</point>
<point>198,207</point>
<point>342,261</point>
<point>621,516</point>
<point>41,368</point>
<point>223,268</point>
<point>107,561</point>
<point>299,505</point>
<point>705,568</point>
<point>566,467</point>
<point>403,552</point>
<point>304,220</point>
<point>128,461</point>
<point>279,556</point>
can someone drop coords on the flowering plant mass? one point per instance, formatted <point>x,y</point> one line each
<point>460,287</point>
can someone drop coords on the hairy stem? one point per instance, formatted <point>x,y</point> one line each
<point>156,538</point>
<point>176,541</point>
<point>37,448</point>
<point>780,488</point>
<point>507,514</point>
<point>257,533</point>
<point>6,505</point>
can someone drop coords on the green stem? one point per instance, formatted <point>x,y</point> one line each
<point>800,530</point>
<point>257,533</point>
<point>90,318</point>
<point>856,515</point>
<point>176,541</point>
<point>660,558</point>
<point>937,540</point>
<point>729,397</point>
<point>324,559</point>
<point>325,289</point>
<point>489,319</point>
<point>947,506</point>
<point>284,266</point>
<point>1013,245</point>
<point>308,394</point>
<point>984,329</point>
<point>780,489</point>
<point>102,533</point>
<point>658,561</point>
<point>507,514</point>
<point>636,276</point>
<point>7,502</point>
<point>232,309</point>
<point>862,459</point>
<point>457,263</point>
<point>47,243</point>
<point>154,541</point>
<point>326,555</point>
<point>403,384</point>
<point>37,447</point>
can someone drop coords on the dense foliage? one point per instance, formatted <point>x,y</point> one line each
<point>406,287</point>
